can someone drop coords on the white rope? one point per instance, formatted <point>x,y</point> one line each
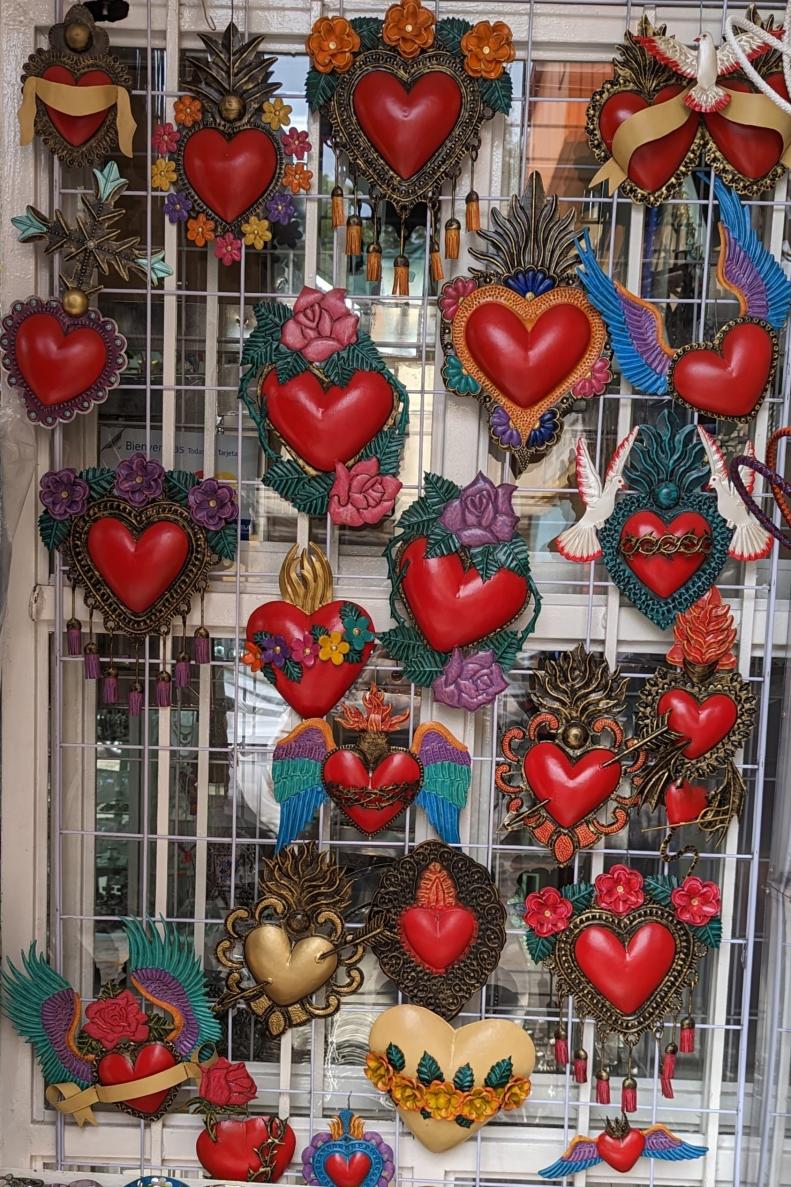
<point>739,24</point>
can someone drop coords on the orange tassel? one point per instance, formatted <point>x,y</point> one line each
<point>435,263</point>
<point>401,276</point>
<point>373,263</point>
<point>452,239</point>
<point>473,216</point>
<point>354,235</point>
<point>337,208</point>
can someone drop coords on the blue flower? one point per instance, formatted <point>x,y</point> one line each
<point>547,429</point>
<point>280,208</point>
<point>457,379</point>
<point>504,429</point>
<point>530,280</point>
<point>178,207</point>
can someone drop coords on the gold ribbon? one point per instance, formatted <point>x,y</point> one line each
<point>72,100</point>
<point>75,1101</point>
<point>652,123</point>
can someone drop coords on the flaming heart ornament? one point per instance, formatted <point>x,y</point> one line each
<point>568,773</point>
<point>318,385</point>
<point>372,782</point>
<point>620,1147</point>
<point>519,334</point>
<point>61,355</point>
<point>348,1156</point>
<point>75,94</point>
<point>405,98</point>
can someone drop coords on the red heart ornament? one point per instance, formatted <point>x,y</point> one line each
<point>406,125</point>
<point>621,1153</point>
<point>233,1154</point>
<point>325,426</point>
<point>751,151</point>
<point>346,770</point>
<point>229,175</point>
<point>663,575</point>
<point>76,129</point>
<point>704,722</point>
<point>684,802</point>
<point>572,787</point>
<point>438,937</point>
<point>58,365</point>
<point>653,165</point>
<point>451,605</point>
<point>323,685</point>
<point>123,1068</point>
<point>138,569</point>
<point>348,1172</point>
<point>626,974</point>
<point>730,379</point>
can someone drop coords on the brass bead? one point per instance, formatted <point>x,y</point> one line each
<point>77,36</point>
<point>75,302</point>
<point>575,735</point>
<point>231,108</point>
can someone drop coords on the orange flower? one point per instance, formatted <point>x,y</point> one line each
<point>487,48</point>
<point>479,1104</point>
<point>252,653</point>
<point>332,44</point>
<point>515,1092</point>
<point>297,177</point>
<point>377,1069</point>
<point>188,111</point>
<point>200,230</point>
<point>409,27</point>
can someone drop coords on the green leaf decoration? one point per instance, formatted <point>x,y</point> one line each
<point>580,895</point>
<point>464,1122</point>
<point>100,480</point>
<point>319,88</point>
<point>464,1079</point>
<point>292,670</point>
<point>29,225</point>
<point>395,1057</point>
<point>418,661</point>
<point>506,645</point>
<point>269,318</point>
<point>107,181</point>
<point>368,29</point>
<point>318,632</point>
<point>288,364</point>
<point>514,555</point>
<point>485,561</point>
<point>499,1073</point>
<point>539,947</point>
<point>223,543</point>
<point>53,532</point>
<point>178,484</point>
<point>498,93</point>
<point>308,493</point>
<point>417,520</point>
<point>438,491</point>
<point>269,673</point>
<point>428,1070</point>
<point>358,356</point>
<point>157,267</point>
<point>448,34</point>
<point>660,887</point>
<point>423,1112</point>
<point>386,446</point>
<point>441,542</point>
<point>710,934</point>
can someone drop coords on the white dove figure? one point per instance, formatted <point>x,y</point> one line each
<point>580,542</point>
<point>750,542</point>
<point>706,64</point>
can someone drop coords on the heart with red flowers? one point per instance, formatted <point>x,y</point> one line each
<point>656,164</point>
<point>229,175</point>
<point>372,799</point>
<point>136,1063</point>
<point>255,1150</point>
<point>621,1153</point>
<point>77,130</point>
<point>570,788</point>
<point>626,969</point>
<point>728,376</point>
<point>704,722</point>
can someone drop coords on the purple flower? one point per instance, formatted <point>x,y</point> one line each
<point>482,514</point>
<point>274,650</point>
<point>63,493</point>
<point>280,208</point>
<point>469,682</point>
<point>212,504</point>
<point>178,207</point>
<point>139,480</point>
<point>504,429</point>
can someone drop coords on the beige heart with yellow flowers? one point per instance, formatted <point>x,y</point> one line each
<point>461,1077</point>
<point>289,972</point>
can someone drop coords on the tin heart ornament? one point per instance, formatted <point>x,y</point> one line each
<point>447,1083</point>
<point>519,334</point>
<point>348,1156</point>
<point>620,1147</point>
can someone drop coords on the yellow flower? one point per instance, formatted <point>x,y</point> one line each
<point>188,111</point>
<point>163,174</point>
<point>479,1104</point>
<point>443,1101</point>
<point>256,232</point>
<point>515,1092</point>
<point>277,114</point>
<point>378,1071</point>
<point>297,177</point>
<point>407,1094</point>
<point>333,648</point>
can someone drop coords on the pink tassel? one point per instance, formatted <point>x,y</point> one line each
<point>73,637</point>
<point>182,671</point>
<point>629,1095</point>
<point>561,1047</point>
<point>164,690</point>
<point>202,646</point>
<point>686,1040</point>
<point>580,1066</point>
<point>135,699</point>
<point>110,687</point>
<point>92,663</point>
<point>603,1087</point>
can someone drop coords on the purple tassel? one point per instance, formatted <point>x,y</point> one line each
<point>202,646</point>
<point>93,665</point>
<point>135,699</point>
<point>182,671</point>
<point>110,687</point>
<point>73,637</point>
<point>164,690</point>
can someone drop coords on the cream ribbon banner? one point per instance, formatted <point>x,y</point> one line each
<point>73,100</point>
<point>75,1101</point>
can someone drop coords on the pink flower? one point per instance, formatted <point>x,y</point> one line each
<point>453,294</point>
<point>227,249</point>
<point>596,382</point>
<point>361,494</point>
<point>319,325</point>
<point>547,911</point>
<point>696,901</point>
<point>295,143</point>
<point>226,1083</point>
<point>164,138</point>
<point>619,890</point>
<point>305,650</point>
<point>113,1020</point>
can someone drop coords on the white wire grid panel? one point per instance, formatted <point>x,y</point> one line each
<point>105,816</point>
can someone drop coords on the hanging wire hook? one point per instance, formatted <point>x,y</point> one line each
<point>687,851</point>
<point>208,18</point>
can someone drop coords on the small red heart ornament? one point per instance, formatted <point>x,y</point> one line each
<point>438,937</point>
<point>451,605</point>
<point>325,426</point>
<point>663,575</point>
<point>653,165</point>
<point>751,151</point>
<point>229,175</point>
<point>346,770</point>
<point>124,1068</point>
<point>57,364</point>
<point>704,722</point>
<point>572,787</point>
<point>233,1155</point>
<point>76,129</point>
<point>626,974</point>
<point>138,569</point>
<point>407,124</point>
<point>729,380</point>
<point>621,1153</point>
<point>347,1172</point>
<point>684,802</point>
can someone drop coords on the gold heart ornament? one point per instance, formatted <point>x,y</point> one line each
<point>461,1077</point>
<point>289,971</point>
